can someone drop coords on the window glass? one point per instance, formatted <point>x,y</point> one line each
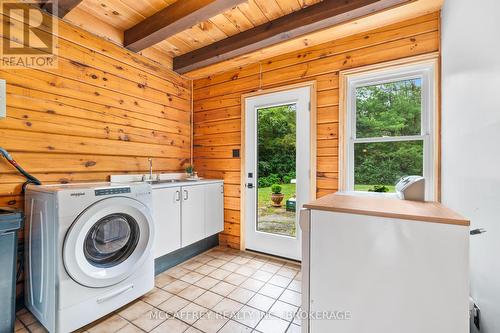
<point>389,109</point>
<point>379,165</point>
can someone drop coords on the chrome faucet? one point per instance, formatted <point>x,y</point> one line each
<point>150,160</point>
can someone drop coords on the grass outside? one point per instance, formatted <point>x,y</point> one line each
<point>365,188</point>
<point>272,219</point>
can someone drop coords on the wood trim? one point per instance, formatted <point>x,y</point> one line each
<point>343,75</point>
<point>311,19</point>
<point>313,123</point>
<point>173,19</point>
<point>390,208</point>
<point>63,7</point>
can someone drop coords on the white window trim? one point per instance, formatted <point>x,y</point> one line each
<point>426,69</point>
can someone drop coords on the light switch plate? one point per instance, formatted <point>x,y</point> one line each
<point>3,99</point>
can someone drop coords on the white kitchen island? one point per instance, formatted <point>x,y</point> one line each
<point>378,265</point>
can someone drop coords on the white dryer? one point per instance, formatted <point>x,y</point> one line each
<point>88,250</point>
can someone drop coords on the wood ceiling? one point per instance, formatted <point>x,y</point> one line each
<point>111,18</point>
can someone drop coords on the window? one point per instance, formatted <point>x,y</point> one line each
<point>389,127</point>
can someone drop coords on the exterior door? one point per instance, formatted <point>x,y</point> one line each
<point>277,170</point>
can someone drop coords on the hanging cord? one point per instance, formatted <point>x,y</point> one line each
<point>29,178</point>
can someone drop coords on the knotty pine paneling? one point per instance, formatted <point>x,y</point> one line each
<point>217,101</point>
<point>103,111</point>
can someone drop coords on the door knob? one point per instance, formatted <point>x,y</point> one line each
<point>249,185</point>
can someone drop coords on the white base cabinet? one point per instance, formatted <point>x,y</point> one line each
<point>376,274</point>
<point>186,214</point>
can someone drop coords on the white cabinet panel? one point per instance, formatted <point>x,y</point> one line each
<point>193,214</point>
<point>214,208</point>
<point>167,218</point>
<point>390,275</point>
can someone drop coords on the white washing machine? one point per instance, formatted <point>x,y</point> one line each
<point>88,251</point>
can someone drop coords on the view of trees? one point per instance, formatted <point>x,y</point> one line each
<point>276,144</point>
<point>390,109</point>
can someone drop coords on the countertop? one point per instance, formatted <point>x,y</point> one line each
<point>185,183</point>
<point>391,208</point>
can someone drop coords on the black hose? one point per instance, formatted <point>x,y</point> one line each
<point>29,178</point>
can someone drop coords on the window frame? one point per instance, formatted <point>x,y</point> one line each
<point>426,70</point>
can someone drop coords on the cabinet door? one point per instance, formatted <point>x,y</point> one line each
<point>214,208</point>
<point>193,211</point>
<point>167,218</point>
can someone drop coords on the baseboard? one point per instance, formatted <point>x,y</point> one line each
<point>172,259</point>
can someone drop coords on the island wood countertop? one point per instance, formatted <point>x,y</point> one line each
<point>391,208</point>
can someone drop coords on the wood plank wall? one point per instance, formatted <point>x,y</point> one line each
<point>217,102</point>
<point>103,111</point>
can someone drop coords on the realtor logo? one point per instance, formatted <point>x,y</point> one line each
<point>29,34</point>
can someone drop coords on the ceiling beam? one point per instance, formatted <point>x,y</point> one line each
<point>179,16</point>
<point>308,20</point>
<point>63,6</point>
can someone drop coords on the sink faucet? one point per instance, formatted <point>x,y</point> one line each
<point>150,160</point>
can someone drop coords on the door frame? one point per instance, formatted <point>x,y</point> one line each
<point>313,93</point>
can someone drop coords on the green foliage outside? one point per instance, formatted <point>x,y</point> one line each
<point>276,145</point>
<point>264,198</point>
<point>390,109</point>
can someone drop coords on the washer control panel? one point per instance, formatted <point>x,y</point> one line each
<point>112,190</point>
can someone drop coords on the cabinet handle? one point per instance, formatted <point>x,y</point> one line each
<point>177,195</point>
<point>186,195</point>
<point>222,189</point>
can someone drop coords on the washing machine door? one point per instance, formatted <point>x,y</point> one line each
<point>108,242</point>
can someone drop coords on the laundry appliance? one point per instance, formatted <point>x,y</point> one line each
<point>88,250</point>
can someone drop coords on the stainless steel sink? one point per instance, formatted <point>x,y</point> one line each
<point>165,181</point>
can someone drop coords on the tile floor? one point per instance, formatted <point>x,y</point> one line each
<point>221,290</point>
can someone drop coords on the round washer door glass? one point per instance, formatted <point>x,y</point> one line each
<point>111,240</point>
<point>108,242</point>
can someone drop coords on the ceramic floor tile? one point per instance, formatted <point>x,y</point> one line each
<point>191,313</point>
<point>207,282</point>
<point>240,260</point>
<point>177,272</point>
<point>252,284</point>
<point>135,310</point>
<point>287,272</point>
<point>110,324</point>
<point>291,297</point>
<point>248,316</point>
<point>18,325</point>
<point>283,310</point>
<point>216,263</point>
<point>219,274</point>
<point>193,330</point>
<point>295,285</point>
<point>191,277</point>
<point>230,266</point>
<point>208,299</point>
<point>246,271</point>
<point>223,288</point>
<point>227,307</point>
<point>173,304</point>
<point>156,296</point>
<point>192,265</point>
<point>280,281</point>
<point>203,258</point>
<point>26,317</point>
<point>191,293</point>
<point>163,279</point>
<point>171,325</point>
<point>294,329</point>
<point>261,302</point>
<point>176,287</point>
<point>235,327</point>
<point>205,269</point>
<point>211,322</point>
<point>271,268</point>
<point>241,295</point>
<point>262,275</point>
<point>272,325</point>
<point>235,279</point>
<point>271,290</point>
<point>150,320</point>
<point>130,328</point>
